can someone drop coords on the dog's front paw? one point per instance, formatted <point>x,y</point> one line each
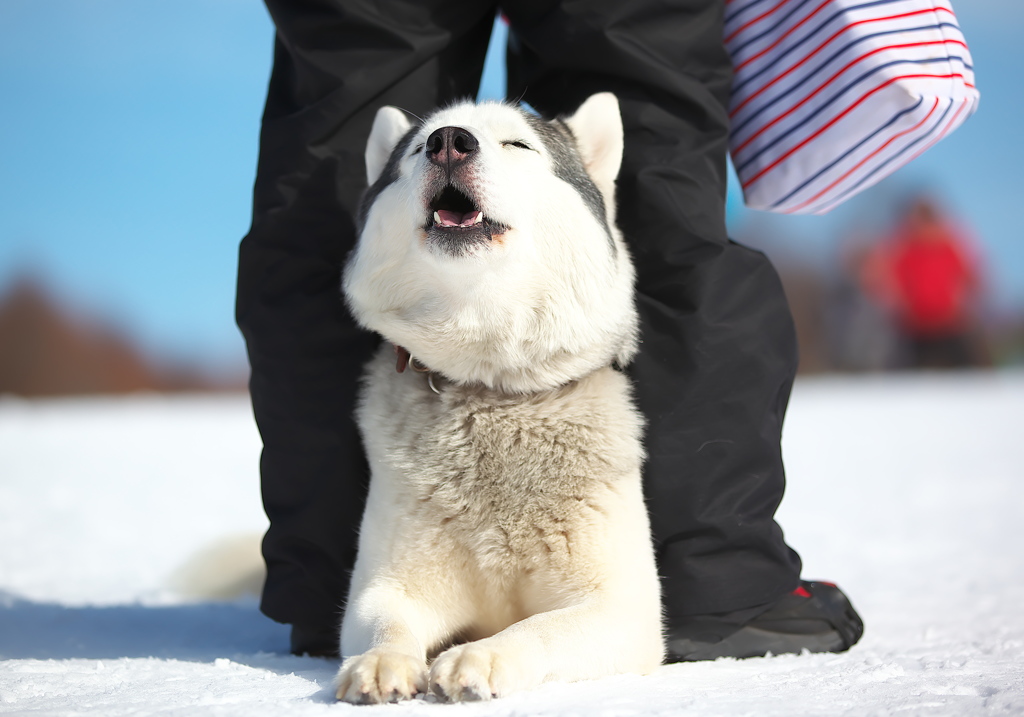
<point>380,676</point>
<point>475,671</point>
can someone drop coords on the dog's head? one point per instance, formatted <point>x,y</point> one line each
<point>488,245</point>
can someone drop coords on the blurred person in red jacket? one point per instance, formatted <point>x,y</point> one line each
<point>928,276</point>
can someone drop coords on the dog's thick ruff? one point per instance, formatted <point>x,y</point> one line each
<point>718,352</point>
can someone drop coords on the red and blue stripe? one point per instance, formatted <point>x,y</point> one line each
<point>796,110</point>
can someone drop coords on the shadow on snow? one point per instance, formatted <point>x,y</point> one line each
<point>201,631</point>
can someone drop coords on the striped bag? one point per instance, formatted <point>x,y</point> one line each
<point>831,96</point>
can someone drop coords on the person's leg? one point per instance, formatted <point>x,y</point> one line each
<point>718,352</point>
<point>335,64</point>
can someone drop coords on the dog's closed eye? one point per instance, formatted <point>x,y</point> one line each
<point>517,143</point>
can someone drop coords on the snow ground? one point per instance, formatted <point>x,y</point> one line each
<point>908,491</point>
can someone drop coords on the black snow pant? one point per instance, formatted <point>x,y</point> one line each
<point>718,351</point>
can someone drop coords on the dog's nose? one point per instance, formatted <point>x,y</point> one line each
<point>449,146</point>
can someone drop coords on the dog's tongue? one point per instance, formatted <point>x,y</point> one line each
<point>448,218</point>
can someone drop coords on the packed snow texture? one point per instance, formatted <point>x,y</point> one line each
<point>907,491</point>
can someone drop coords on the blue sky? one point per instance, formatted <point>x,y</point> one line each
<point>129,147</point>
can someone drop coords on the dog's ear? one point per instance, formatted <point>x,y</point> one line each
<point>389,126</point>
<point>597,126</point>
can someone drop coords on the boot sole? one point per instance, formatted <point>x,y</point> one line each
<point>753,642</point>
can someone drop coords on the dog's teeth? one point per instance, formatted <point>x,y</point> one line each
<point>437,218</point>
<point>478,218</point>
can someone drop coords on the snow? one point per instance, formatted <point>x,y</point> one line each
<point>906,490</point>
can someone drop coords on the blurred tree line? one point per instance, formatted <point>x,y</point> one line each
<point>913,296</point>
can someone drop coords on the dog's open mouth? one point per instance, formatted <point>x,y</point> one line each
<point>454,210</point>
<point>456,219</point>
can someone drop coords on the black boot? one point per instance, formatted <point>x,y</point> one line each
<point>314,641</point>
<point>816,617</point>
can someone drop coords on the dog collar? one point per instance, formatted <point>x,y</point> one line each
<point>406,360</point>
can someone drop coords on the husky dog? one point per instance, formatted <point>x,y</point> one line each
<point>505,541</point>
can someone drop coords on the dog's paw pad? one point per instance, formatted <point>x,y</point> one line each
<point>378,677</point>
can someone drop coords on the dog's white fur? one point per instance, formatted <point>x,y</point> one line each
<point>504,515</point>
